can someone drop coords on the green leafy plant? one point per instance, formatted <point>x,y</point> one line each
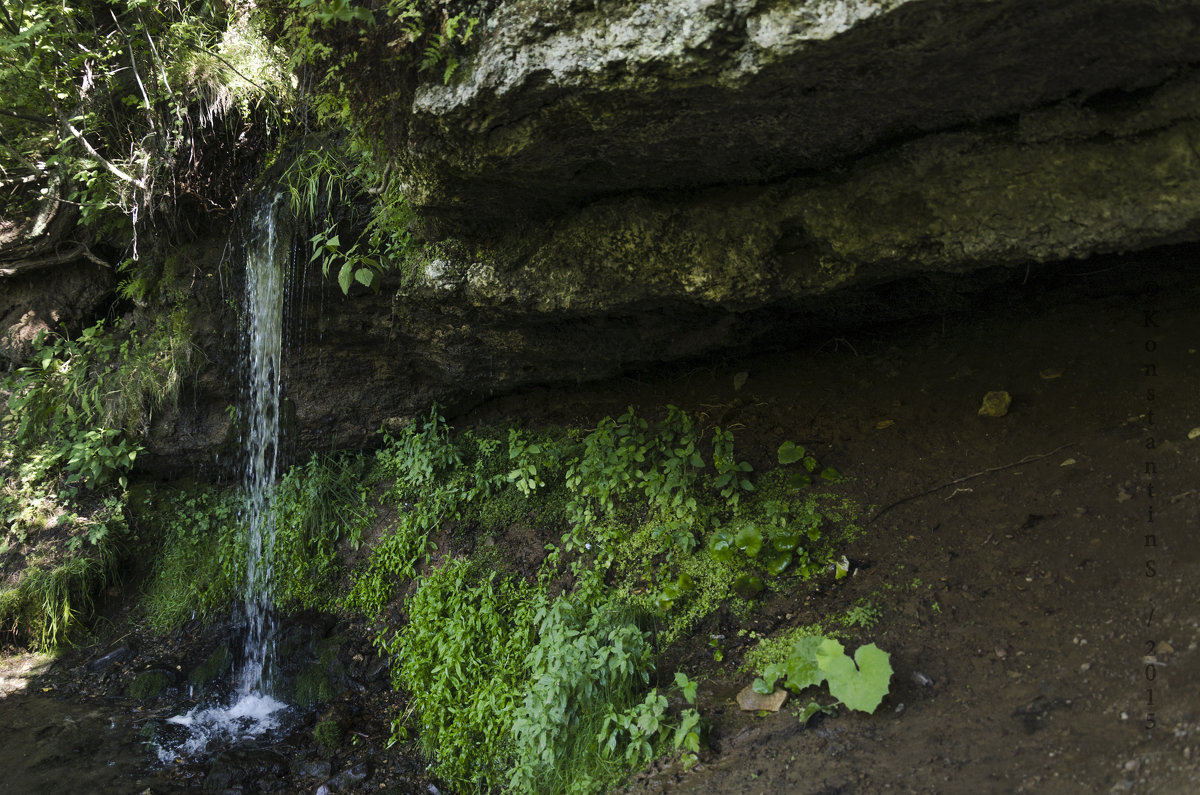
<point>199,565</point>
<point>588,715</point>
<point>729,480</point>
<point>462,657</point>
<point>858,683</point>
<point>791,453</point>
<point>522,454</point>
<point>863,614</point>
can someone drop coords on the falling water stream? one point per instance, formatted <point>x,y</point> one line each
<point>253,709</point>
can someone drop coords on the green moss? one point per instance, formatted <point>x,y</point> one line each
<point>328,736</point>
<point>312,686</point>
<point>216,666</point>
<point>149,684</point>
<point>318,681</point>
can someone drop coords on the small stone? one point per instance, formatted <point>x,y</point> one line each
<point>879,426</point>
<point>310,768</point>
<point>1164,648</point>
<point>119,654</point>
<point>995,404</point>
<point>750,701</point>
<point>1050,373</point>
<point>346,780</point>
<point>739,380</point>
<point>1194,433</point>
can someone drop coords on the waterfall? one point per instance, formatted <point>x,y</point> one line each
<point>266,258</point>
<point>253,709</point>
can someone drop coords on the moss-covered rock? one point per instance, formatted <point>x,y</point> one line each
<point>217,665</point>
<point>328,736</point>
<point>149,684</point>
<point>321,679</point>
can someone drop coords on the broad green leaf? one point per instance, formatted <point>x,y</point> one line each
<point>862,686</point>
<point>799,480</point>
<point>749,540</point>
<point>365,276</point>
<point>841,568</point>
<point>790,453</point>
<point>802,667</point>
<point>786,541</point>
<point>777,563</point>
<point>720,546</point>
<point>810,709</point>
<point>345,277</point>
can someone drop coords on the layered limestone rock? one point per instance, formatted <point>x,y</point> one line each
<point>617,184</point>
<point>611,184</point>
<point>568,101</point>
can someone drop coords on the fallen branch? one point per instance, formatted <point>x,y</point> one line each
<point>1027,459</point>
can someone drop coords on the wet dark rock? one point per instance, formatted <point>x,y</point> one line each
<point>119,654</point>
<point>312,768</point>
<point>377,670</point>
<point>149,684</point>
<point>238,768</point>
<point>346,780</point>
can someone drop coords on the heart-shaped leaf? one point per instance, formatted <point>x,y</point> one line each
<point>790,453</point>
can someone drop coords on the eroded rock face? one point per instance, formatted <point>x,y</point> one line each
<point>620,183</point>
<point>69,296</point>
<point>571,100</point>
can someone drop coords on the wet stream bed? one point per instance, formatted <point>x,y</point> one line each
<point>123,718</point>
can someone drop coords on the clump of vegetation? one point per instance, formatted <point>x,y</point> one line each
<point>318,509</point>
<point>858,683</point>
<point>550,676</point>
<point>71,424</point>
<point>557,691</point>
<point>461,658</point>
<point>200,562</point>
<point>328,735</point>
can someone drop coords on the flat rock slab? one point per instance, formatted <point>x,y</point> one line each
<point>750,701</point>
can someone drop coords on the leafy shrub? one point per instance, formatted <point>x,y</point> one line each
<point>461,659</point>
<point>316,507</point>
<point>200,567</point>
<point>587,718</point>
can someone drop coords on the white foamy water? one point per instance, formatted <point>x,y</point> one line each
<point>248,717</point>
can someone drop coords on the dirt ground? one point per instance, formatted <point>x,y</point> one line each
<point>1042,640</point>
<point>1037,574</point>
